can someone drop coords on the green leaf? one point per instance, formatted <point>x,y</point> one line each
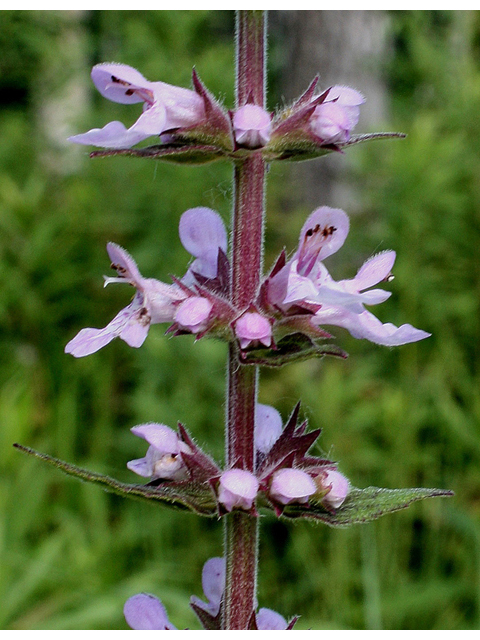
<point>364,505</point>
<point>180,154</point>
<point>303,149</point>
<point>191,496</point>
<point>292,348</point>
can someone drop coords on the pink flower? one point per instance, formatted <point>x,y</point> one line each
<point>291,485</point>
<point>163,458</point>
<point>155,302</point>
<point>338,487</point>
<point>145,612</point>
<point>305,281</point>
<point>333,120</point>
<point>252,126</point>
<point>165,107</point>
<point>253,329</point>
<point>237,489</point>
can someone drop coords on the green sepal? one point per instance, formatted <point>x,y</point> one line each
<point>177,153</point>
<point>187,495</point>
<point>363,505</point>
<point>292,348</point>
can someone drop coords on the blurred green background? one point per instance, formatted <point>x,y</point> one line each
<point>72,554</point>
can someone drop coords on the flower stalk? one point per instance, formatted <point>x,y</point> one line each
<point>241,529</point>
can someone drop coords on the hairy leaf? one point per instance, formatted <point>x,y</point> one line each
<point>364,505</point>
<point>191,496</point>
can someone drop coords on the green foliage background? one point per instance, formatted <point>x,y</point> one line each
<point>72,554</point>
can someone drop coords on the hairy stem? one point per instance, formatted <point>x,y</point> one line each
<point>241,530</point>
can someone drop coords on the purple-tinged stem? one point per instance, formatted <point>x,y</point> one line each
<point>241,530</point>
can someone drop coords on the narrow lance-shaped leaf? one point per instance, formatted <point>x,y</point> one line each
<point>192,496</point>
<point>363,505</point>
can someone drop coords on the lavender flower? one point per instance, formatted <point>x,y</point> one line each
<point>305,281</point>
<point>237,489</point>
<point>252,126</point>
<point>291,485</point>
<point>163,458</point>
<point>213,583</point>
<point>333,120</point>
<point>154,302</point>
<point>165,107</point>
<point>145,612</point>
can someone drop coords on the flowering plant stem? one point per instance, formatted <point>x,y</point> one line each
<point>241,529</point>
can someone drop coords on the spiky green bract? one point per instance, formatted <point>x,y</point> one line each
<point>363,505</point>
<point>192,496</point>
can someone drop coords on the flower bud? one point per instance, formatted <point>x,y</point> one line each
<point>193,313</point>
<point>237,489</point>
<point>338,486</point>
<point>252,126</point>
<point>252,328</point>
<point>291,485</point>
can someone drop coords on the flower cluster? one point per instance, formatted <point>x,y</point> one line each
<point>299,295</point>
<point>184,118</point>
<point>144,611</point>
<point>284,473</point>
<point>284,320</point>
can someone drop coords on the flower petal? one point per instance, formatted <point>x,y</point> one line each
<point>269,620</point>
<point>213,582</point>
<point>202,232</point>
<point>159,436</point>
<point>124,264</point>
<point>119,82</point>
<point>145,612</point>
<point>268,427</point>
<point>366,325</point>
<point>129,324</point>
<point>323,233</point>
<point>114,135</point>
<point>375,270</point>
